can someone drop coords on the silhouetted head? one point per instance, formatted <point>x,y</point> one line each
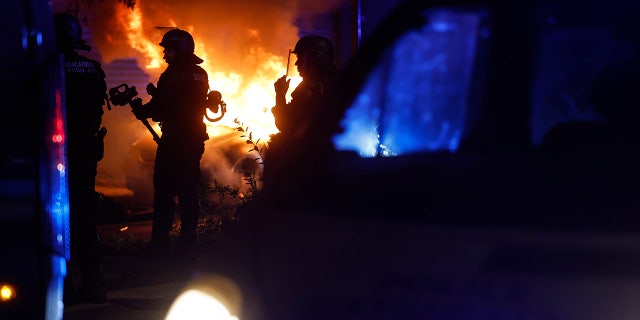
<point>181,42</point>
<point>69,32</point>
<point>314,53</point>
<point>317,49</point>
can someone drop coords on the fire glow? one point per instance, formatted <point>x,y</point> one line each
<point>244,45</point>
<point>249,99</point>
<point>131,22</point>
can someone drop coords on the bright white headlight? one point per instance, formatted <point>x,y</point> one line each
<point>207,298</point>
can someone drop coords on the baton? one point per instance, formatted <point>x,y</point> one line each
<point>138,104</point>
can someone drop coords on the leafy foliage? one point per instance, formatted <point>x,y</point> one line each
<point>250,176</point>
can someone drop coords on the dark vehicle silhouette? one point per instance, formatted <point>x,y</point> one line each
<point>34,231</point>
<point>441,203</point>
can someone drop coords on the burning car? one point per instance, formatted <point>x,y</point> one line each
<point>228,160</point>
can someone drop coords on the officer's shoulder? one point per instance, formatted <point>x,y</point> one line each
<point>199,74</point>
<point>198,69</point>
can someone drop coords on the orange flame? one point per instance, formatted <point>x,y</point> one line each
<point>249,100</point>
<point>132,24</point>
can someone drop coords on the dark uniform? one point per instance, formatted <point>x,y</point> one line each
<point>86,93</point>
<point>308,100</point>
<point>178,103</point>
<point>297,154</point>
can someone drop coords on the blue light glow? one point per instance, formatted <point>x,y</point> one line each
<point>25,38</point>
<point>57,197</point>
<point>55,289</point>
<point>414,100</point>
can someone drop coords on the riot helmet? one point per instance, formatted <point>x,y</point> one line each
<point>179,40</point>
<point>182,42</point>
<point>316,49</point>
<point>69,32</point>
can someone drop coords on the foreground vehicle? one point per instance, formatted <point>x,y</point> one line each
<point>445,201</point>
<point>34,230</point>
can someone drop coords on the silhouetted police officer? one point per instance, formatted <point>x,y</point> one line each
<point>86,91</point>
<point>178,103</point>
<point>296,153</point>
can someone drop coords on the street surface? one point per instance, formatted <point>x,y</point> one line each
<point>432,272</point>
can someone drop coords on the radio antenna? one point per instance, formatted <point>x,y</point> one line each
<point>288,62</point>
